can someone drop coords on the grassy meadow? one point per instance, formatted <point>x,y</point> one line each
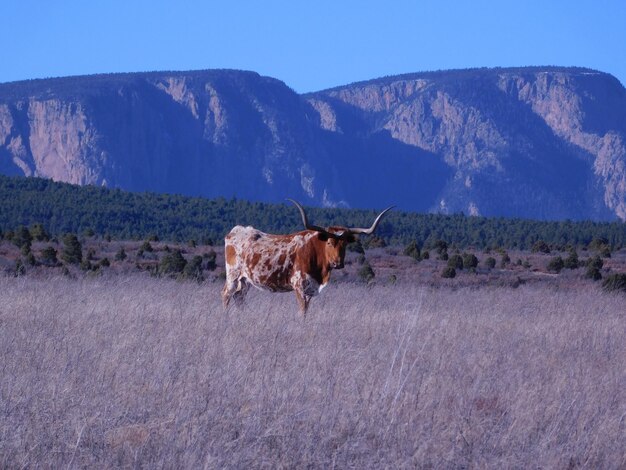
<point>134,371</point>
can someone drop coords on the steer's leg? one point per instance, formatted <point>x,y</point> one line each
<point>227,292</point>
<point>235,287</point>
<point>300,288</point>
<point>303,301</point>
<point>242,289</point>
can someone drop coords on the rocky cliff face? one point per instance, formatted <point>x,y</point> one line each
<point>530,142</point>
<point>536,142</point>
<point>216,133</point>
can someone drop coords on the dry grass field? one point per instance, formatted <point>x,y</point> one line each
<point>132,371</point>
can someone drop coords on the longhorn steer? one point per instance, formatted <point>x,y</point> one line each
<point>299,262</point>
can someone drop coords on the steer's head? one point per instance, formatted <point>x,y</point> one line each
<point>336,239</point>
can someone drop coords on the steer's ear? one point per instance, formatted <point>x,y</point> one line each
<point>323,236</point>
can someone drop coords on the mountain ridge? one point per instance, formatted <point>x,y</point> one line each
<point>461,71</point>
<point>536,142</point>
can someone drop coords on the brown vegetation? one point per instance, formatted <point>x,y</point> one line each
<point>388,264</point>
<point>132,371</point>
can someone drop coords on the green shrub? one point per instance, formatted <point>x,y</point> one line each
<point>366,273</point>
<point>172,263</point>
<point>374,242</point>
<point>605,251</point>
<point>448,272</point>
<point>593,273</point>
<point>598,243</point>
<point>505,260</point>
<point>615,282</point>
<point>412,250</point>
<point>193,269</point>
<point>121,254</point>
<point>355,247</point>
<point>19,268</point>
<point>39,233</point>
<point>455,261</point>
<point>490,262</point>
<point>571,262</point>
<point>210,260</point>
<point>555,264</point>
<point>22,237</point>
<point>426,254</point>
<point>25,250</point>
<point>72,250</point>
<point>595,262</point>
<point>30,259</point>
<point>540,247</point>
<point>440,246</point>
<point>146,246</point>
<point>86,265</point>
<point>470,261</point>
<point>49,256</point>
<point>602,246</point>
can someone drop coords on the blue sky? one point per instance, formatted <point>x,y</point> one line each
<point>310,45</point>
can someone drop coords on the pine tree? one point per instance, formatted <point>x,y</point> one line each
<point>72,249</point>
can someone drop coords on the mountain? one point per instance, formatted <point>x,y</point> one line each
<point>536,142</point>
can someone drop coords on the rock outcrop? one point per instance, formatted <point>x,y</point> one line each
<point>542,142</point>
<point>214,133</point>
<point>530,142</point>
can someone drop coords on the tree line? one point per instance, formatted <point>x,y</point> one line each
<point>64,208</point>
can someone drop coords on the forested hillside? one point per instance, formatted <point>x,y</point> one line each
<point>62,208</point>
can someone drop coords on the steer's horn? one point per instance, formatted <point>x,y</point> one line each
<point>369,231</point>
<point>305,221</point>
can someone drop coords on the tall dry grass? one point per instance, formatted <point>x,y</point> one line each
<point>139,372</point>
